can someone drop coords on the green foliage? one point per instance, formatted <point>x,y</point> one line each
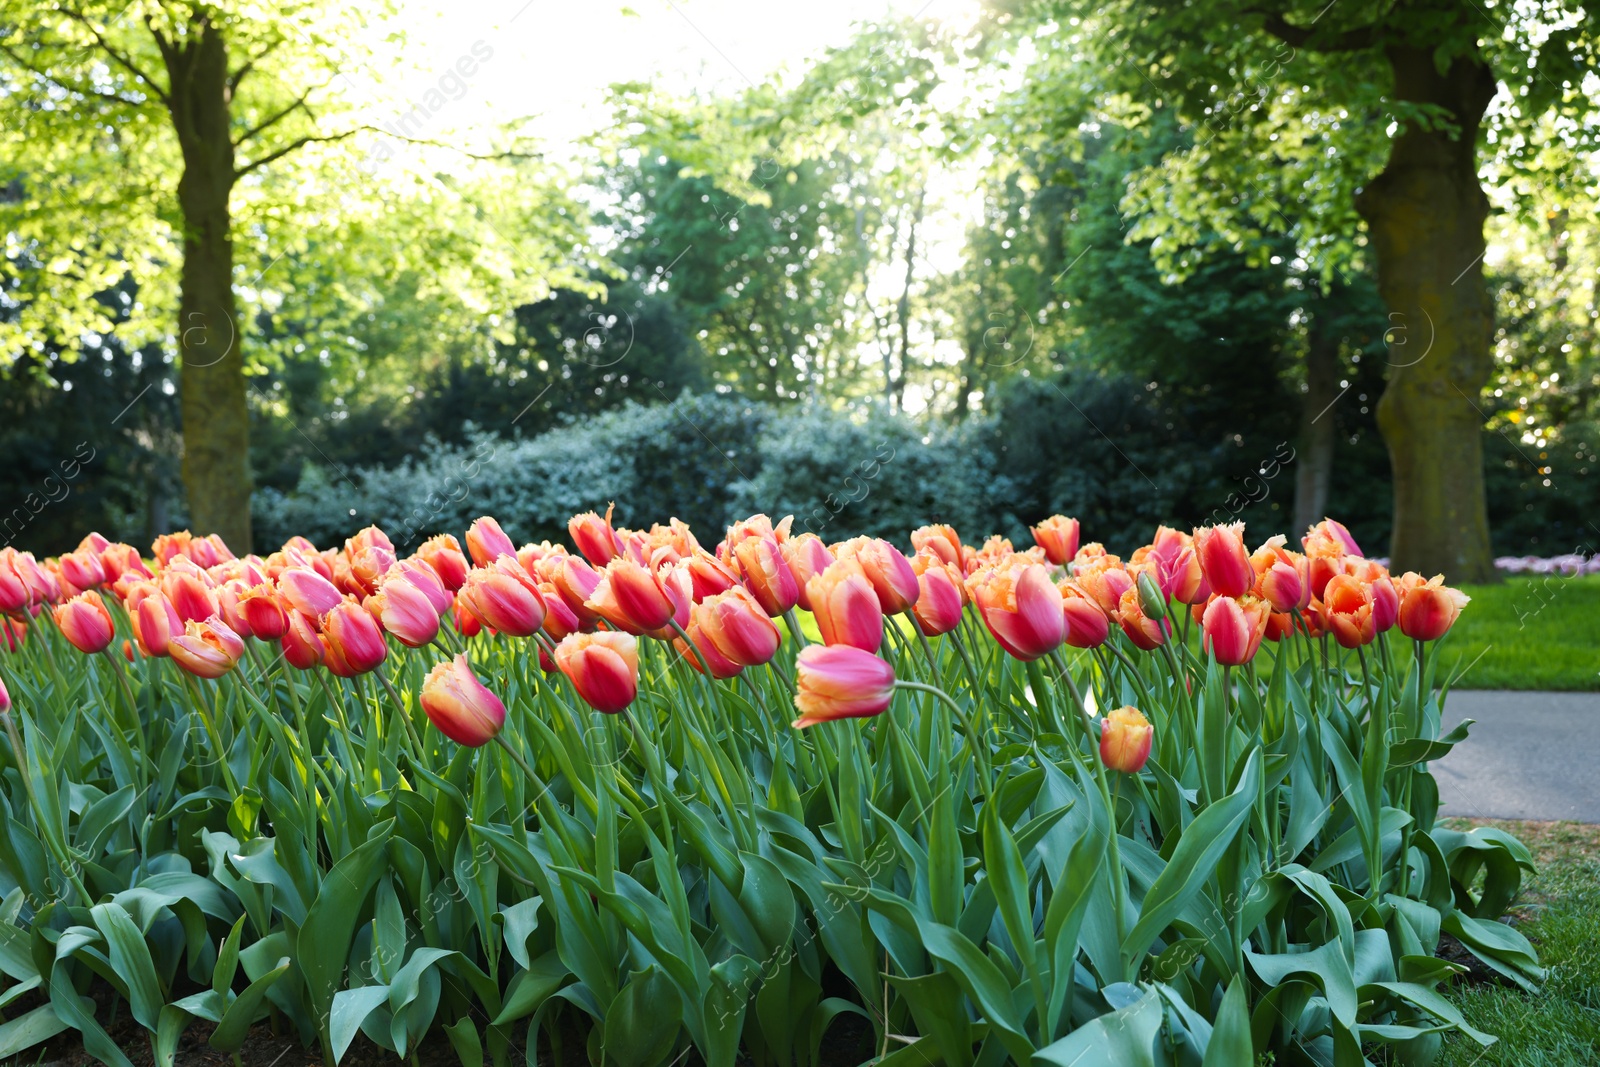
<point>1530,632</point>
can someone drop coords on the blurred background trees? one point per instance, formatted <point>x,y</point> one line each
<point>1100,260</point>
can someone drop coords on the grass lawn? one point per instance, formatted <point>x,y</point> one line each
<point>1530,632</point>
<point>1559,911</point>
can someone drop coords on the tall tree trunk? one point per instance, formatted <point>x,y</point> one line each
<point>1314,465</point>
<point>1425,213</point>
<point>211,398</point>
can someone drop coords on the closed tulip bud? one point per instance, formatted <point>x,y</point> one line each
<point>887,568</point>
<point>460,706</point>
<point>82,569</point>
<point>353,639</point>
<point>85,622</point>
<point>155,622</point>
<point>1283,585</point>
<point>1232,629</point>
<point>737,627</point>
<point>1151,598</point>
<point>1428,609</point>
<point>633,597</point>
<point>302,645</point>
<point>43,587</point>
<point>576,581</point>
<point>504,597</point>
<point>1058,536</point>
<point>1144,631</point>
<point>595,538</point>
<point>1022,609</point>
<point>14,598</point>
<point>1347,611</point>
<point>228,606</point>
<point>840,682</point>
<point>719,665</point>
<point>846,607</point>
<point>1223,559</point>
<point>603,667</point>
<point>207,649</point>
<point>1385,604</point>
<point>487,542</point>
<point>1087,625</point>
<point>1280,624</point>
<point>766,574</point>
<point>807,557</point>
<point>118,560</point>
<point>307,591</point>
<point>942,541</point>
<point>1125,738</point>
<point>406,612</point>
<point>443,553</point>
<point>941,594</point>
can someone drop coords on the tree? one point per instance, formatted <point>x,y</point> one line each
<point>145,138</point>
<point>1381,108</point>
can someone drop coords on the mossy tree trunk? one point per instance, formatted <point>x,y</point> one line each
<point>1425,214</point>
<point>1318,422</point>
<point>212,400</point>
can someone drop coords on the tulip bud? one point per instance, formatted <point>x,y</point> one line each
<point>1144,631</point>
<point>460,706</point>
<point>767,575</point>
<point>1087,625</point>
<point>207,649</point>
<point>302,644</point>
<point>1385,604</point>
<point>504,597</point>
<point>719,665</point>
<point>1151,599</point>
<point>1223,559</point>
<point>807,557</point>
<point>406,612</point>
<point>1125,737</point>
<point>846,607</point>
<point>264,612</point>
<point>1058,536</point>
<point>309,592</point>
<point>443,554</point>
<point>942,541</point>
<point>1233,629</point>
<point>354,642</point>
<point>887,568</point>
<point>737,627</point>
<point>14,598</point>
<point>941,594</point>
<point>487,542</point>
<point>633,597</point>
<point>155,623</point>
<point>594,537</point>
<point>85,622</point>
<point>840,682</point>
<point>603,667</point>
<point>1430,608</point>
<point>82,569</point>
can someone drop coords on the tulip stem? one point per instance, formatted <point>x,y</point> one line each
<point>209,721</point>
<point>411,727</point>
<point>794,628</point>
<point>979,753</point>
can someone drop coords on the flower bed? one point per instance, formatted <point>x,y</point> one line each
<point>1039,806</point>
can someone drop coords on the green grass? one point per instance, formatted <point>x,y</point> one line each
<point>1559,911</point>
<point>1528,633</point>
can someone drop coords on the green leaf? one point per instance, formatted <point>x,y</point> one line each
<point>323,944</point>
<point>350,1009</point>
<point>643,1022</point>
<point>28,1030</point>
<point>1128,1037</point>
<point>130,957</point>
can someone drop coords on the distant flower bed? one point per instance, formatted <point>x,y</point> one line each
<point>1570,564</point>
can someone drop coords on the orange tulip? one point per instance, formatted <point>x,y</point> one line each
<point>302,644</point>
<point>504,597</point>
<point>719,665</point>
<point>635,598</point>
<point>155,621</point>
<point>1125,737</point>
<point>355,644</point>
<point>1087,625</point>
<point>1347,611</point>
<point>307,591</point>
<point>603,667</point>
<point>596,539</point>
<point>1104,579</point>
<point>443,553</point>
<point>1142,630</point>
<point>942,541</point>
<point>738,627</point>
<point>575,580</point>
<point>766,574</point>
<point>1058,536</point>
<point>1429,608</point>
<point>85,622</point>
<point>1223,559</point>
<point>941,593</point>
<point>1232,629</point>
<point>840,682</point>
<point>264,612</point>
<point>460,706</point>
<point>846,606</point>
<point>487,542</point>
<point>887,568</point>
<point>1022,609</point>
<point>806,557</point>
<point>406,612</point>
<point>82,569</point>
<point>119,559</point>
<point>207,649</point>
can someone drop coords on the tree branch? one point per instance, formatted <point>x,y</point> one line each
<point>249,65</point>
<point>298,142</point>
<point>1354,40</point>
<point>71,87</point>
<point>269,122</point>
<point>123,61</point>
<point>508,154</point>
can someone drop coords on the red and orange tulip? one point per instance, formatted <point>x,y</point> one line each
<point>603,667</point>
<point>459,705</point>
<point>207,649</point>
<point>840,682</point>
<point>85,622</point>
<point>846,606</point>
<point>1125,738</point>
<point>1021,608</point>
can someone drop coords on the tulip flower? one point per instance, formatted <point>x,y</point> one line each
<point>82,569</point>
<point>353,640</point>
<point>1058,536</point>
<point>603,667</point>
<point>846,607</point>
<point>117,560</point>
<point>1233,628</point>
<point>85,622</point>
<point>504,597</point>
<point>1279,625</point>
<point>43,587</point>
<point>302,645</point>
<point>1428,609</point>
<point>737,627</point>
<point>887,568</point>
<point>419,574</point>
<point>639,599</point>
<point>559,619</point>
<point>1335,533</point>
<point>941,593</point>
<point>766,574</point>
<point>263,612</point>
<point>1087,625</point>
<point>14,597</point>
<point>207,649</point>
<point>807,557</point>
<point>155,623</point>
<point>460,706</point>
<point>406,612</point>
<point>1385,604</point>
<point>1125,738</point>
<point>1284,586</point>
<point>1145,632</point>
<point>15,634</point>
<point>487,542</point>
<point>595,538</point>
<point>942,541</point>
<point>720,666</point>
<point>1104,579</point>
<point>5,698</point>
<point>466,623</point>
<point>1223,559</point>
<point>1022,609</point>
<point>576,581</point>
<point>307,591</point>
<point>1347,611</point>
<point>443,554</point>
<point>840,682</point>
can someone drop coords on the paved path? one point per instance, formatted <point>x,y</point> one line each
<point>1529,756</point>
